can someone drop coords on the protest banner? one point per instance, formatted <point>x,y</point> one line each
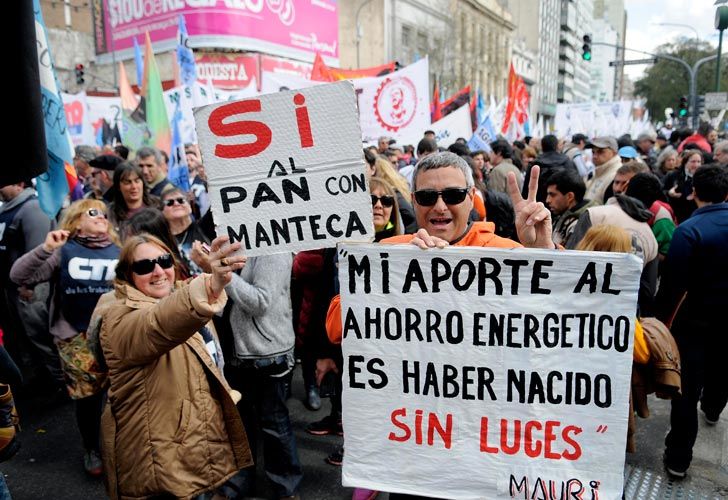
<point>395,105</point>
<point>454,125</point>
<point>286,171</point>
<point>77,118</point>
<point>486,373</point>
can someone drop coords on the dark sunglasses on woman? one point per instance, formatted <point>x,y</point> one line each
<point>387,201</point>
<point>146,266</point>
<point>451,196</point>
<point>172,201</point>
<point>95,213</point>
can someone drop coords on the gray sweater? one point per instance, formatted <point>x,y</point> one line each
<point>261,317</point>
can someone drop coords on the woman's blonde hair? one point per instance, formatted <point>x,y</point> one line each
<point>388,190</point>
<point>606,238</point>
<point>75,211</point>
<point>386,172</point>
<point>126,257</point>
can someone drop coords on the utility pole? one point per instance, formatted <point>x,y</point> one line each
<point>721,23</point>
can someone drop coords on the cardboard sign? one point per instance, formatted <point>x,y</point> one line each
<point>286,171</point>
<point>486,373</point>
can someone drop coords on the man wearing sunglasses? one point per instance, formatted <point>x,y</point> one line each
<point>443,198</point>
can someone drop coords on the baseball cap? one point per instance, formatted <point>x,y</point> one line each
<point>106,162</point>
<point>628,152</point>
<point>645,136</point>
<point>604,142</point>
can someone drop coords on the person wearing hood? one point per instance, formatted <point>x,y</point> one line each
<point>550,160</point>
<point>606,163</point>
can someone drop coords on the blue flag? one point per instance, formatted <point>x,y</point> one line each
<point>480,108</point>
<point>185,56</point>
<point>139,63</point>
<point>52,186</point>
<point>178,173</point>
<point>483,136</point>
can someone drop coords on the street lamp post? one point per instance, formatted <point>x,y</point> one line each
<point>721,23</point>
<point>697,36</point>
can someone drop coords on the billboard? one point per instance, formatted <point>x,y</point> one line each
<point>290,28</point>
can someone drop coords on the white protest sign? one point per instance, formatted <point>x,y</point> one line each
<point>396,105</point>
<point>456,124</point>
<point>486,373</point>
<point>286,170</point>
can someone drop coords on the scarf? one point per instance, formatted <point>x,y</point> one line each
<point>100,241</point>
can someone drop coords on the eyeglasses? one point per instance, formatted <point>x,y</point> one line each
<point>387,201</point>
<point>95,213</point>
<point>170,202</point>
<point>451,196</point>
<point>146,266</point>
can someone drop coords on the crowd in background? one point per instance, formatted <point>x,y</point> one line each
<point>170,342</point>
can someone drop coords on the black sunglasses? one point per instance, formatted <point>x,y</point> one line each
<point>94,213</point>
<point>146,266</point>
<point>387,201</point>
<point>451,196</point>
<point>171,201</point>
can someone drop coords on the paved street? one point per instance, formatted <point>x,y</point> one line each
<point>49,463</point>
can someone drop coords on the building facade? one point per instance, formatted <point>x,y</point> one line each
<point>574,72</point>
<point>613,12</point>
<point>602,74</point>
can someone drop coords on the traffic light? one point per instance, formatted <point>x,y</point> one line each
<point>586,48</point>
<point>683,107</point>
<point>700,105</point>
<point>79,74</point>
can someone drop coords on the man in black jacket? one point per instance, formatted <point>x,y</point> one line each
<point>549,161</point>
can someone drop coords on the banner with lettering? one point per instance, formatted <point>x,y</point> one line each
<point>453,126</point>
<point>486,373</point>
<point>286,170</point>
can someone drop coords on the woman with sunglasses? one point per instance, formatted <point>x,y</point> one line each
<point>151,221</point>
<point>79,259</point>
<point>131,194</point>
<point>188,234</point>
<point>384,209</point>
<point>384,170</point>
<point>171,428</point>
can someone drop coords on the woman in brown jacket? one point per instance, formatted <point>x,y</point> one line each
<point>170,427</point>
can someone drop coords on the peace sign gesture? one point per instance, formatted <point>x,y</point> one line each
<point>533,219</point>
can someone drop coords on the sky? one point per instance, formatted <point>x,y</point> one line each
<point>643,33</point>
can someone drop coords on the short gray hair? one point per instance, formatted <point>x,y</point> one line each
<point>442,160</point>
<point>147,151</point>
<point>721,146</point>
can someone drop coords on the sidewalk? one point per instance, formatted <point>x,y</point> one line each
<point>707,477</point>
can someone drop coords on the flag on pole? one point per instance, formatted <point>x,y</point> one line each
<point>178,173</point>
<point>518,98</point>
<point>155,111</point>
<point>53,185</point>
<point>133,124</point>
<point>436,110</point>
<point>483,136</point>
<point>185,56</point>
<point>456,100</point>
<point>480,108</point>
<point>138,62</point>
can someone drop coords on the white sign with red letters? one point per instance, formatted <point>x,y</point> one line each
<point>286,170</point>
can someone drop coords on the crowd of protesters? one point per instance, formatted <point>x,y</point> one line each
<point>170,342</point>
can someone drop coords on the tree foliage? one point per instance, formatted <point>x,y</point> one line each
<point>666,81</point>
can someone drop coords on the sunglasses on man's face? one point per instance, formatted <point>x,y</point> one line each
<point>451,196</point>
<point>387,201</point>
<point>170,202</point>
<point>95,213</point>
<point>146,266</point>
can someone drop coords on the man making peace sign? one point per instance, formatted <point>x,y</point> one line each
<point>443,198</point>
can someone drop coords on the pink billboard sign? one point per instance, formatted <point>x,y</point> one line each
<point>289,28</point>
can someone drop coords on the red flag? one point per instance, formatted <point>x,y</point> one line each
<point>322,73</point>
<point>512,92</point>
<point>436,110</point>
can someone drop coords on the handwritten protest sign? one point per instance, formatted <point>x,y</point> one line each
<point>486,373</point>
<point>286,170</point>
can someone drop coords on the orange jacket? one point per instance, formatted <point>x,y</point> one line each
<point>481,234</point>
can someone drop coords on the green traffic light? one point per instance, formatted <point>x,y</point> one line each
<point>683,112</point>
<point>586,56</point>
